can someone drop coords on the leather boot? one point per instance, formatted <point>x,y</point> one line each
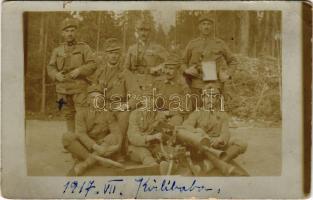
<point>72,145</point>
<point>81,167</point>
<point>163,167</point>
<point>207,166</point>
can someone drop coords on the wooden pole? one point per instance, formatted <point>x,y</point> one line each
<point>99,31</point>
<point>43,82</point>
<point>124,32</point>
<point>41,33</point>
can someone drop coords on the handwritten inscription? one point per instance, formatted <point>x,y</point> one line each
<point>112,188</point>
<point>87,187</point>
<point>169,185</point>
<point>61,103</point>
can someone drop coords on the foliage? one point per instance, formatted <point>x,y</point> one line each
<point>254,90</point>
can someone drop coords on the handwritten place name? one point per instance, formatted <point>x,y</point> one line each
<point>111,188</point>
<point>168,185</point>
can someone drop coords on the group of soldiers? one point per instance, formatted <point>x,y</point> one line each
<point>131,134</point>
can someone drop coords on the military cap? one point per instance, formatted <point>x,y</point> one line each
<point>94,88</point>
<point>69,22</point>
<point>111,44</point>
<point>206,17</point>
<point>143,23</point>
<point>173,59</point>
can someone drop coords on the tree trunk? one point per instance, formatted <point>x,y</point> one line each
<point>41,33</point>
<point>244,32</point>
<point>125,33</point>
<point>43,80</point>
<point>99,31</point>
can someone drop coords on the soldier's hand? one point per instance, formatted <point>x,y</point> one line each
<point>192,71</point>
<point>100,150</point>
<point>60,76</point>
<point>156,70</point>
<point>157,136</point>
<point>199,130</point>
<point>224,76</point>
<point>218,142</point>
<point>74,73</point>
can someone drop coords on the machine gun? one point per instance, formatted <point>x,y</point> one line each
<point>179,135</point>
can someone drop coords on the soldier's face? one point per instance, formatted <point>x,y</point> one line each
<point>170,71</point>
<point>143,33</point>
<point>69,34</point>
<point>113,57</point>
<point>206,27</point>
<point>212,99</point>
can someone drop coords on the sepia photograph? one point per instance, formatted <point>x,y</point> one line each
<point>151,99</point>
<point>152,92</point>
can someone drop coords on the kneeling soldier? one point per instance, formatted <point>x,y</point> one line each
<point>97,133</point>
<point>212,122</point>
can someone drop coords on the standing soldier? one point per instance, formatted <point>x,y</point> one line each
<point>207,59</point>
<point>69,65</point>
<point>115,85</point>
<point>144,58</point>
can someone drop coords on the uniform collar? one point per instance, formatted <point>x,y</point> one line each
<point>206,38</point>
<point>171,82</point>
<point>117,66</point>
<point>72,43</point>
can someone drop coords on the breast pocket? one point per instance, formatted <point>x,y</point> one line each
<point>76,60</point>
<point>151,59</point>
<point>196,56</point>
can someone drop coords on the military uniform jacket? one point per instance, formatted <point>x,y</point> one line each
<point>140,58</point>
<point>212,123</point>
<point>115,82</point>
<point>171,91</point>
<point>141,124</point>
<point>208,49</point>
<point>139,61</point>
<point>96,127</point>
<point>67,58</point>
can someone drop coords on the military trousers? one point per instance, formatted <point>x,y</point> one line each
<point>72,143</point>
<point>67,104</point>
<point>122,120</point>
<point>141,154</point>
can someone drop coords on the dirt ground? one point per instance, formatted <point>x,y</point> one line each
<point>46,156</point>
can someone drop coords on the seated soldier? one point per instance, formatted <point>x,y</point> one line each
<point>115,84</point>
<point>97,132</point>
<point>213,122</point>
<point>171,90</point>
<point>144,139</point>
